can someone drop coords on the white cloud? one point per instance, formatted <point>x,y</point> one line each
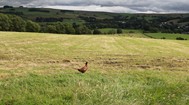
<point>142,6</point>
<point>119,9</point>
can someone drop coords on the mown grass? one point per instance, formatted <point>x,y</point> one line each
<point>39,69</point>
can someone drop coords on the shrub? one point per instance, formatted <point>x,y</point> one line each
<point>7,6</point>
<point>180,38</point>
<point>132,32</point>
<point>96,31</point>
<point>32,26</point>
<point>119,31</point>
<point>163,38</point>
<point>112,31</point>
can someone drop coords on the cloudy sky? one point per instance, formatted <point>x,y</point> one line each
<point>118,6</point>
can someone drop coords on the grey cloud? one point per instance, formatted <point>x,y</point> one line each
<point>143,6</point>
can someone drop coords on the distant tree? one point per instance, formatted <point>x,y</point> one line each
<point>69,29</point>
<point>86,30</point>
<point>133,32</point>
<point>6,6</point>
<point>18,24</point>
<point>38,10</point>
<point>60,28</point>
<point>180,38</point>
<point>96,31</point>
<point>153,30</point>
<point>51,29</point>
<point>163,38</point>
<point>75,25</point>
<point>119,31</point>
<point>42,19</point>
<point>21,6</point>
<point>82,29</point>
<point>32,26</point>
<point>5,23</point>
<point>78,30</point>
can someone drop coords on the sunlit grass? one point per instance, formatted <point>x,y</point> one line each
<point>39,69</point>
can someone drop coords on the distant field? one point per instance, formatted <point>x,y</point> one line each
<point>39,69</point>
<point>106,30</point>
<point>168,36</point>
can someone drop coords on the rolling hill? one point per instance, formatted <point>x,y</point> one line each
<point>167,23</point>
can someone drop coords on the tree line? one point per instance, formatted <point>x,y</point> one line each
<point>16,23</point>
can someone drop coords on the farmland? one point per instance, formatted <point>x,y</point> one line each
<point>38,68</point>
<point>52,20</point>
<point>167,36</point>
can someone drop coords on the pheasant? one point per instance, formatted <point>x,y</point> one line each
<point>84,68</point>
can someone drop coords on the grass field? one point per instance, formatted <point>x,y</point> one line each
<point>38,69</point>
<point>168,36</point>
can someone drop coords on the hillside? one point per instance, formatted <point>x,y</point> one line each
<point>39,69</point>
<point>67,15</point>
<point>167,23</point>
